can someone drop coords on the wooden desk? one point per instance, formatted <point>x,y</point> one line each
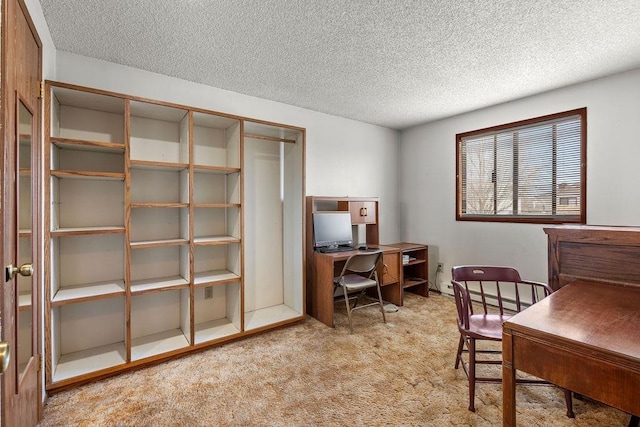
<point>325,268</point>
<point>584,337</point>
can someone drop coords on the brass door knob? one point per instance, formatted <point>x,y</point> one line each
<point>5,355</point>
<point>24,270</point>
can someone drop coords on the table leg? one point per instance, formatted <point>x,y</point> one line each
<point>508,382</point>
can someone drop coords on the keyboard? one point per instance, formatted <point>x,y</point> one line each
<point>330,250</point>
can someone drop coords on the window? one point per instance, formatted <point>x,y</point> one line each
<point>530,171</point>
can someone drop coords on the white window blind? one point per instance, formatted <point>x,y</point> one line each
<point>529,171</point>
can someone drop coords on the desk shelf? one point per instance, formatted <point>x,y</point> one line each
<point>414,274</point>
<point>410,282</point>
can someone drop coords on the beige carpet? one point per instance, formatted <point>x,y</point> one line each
<point>395,374</point>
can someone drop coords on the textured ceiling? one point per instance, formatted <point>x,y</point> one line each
<point>394,63</point>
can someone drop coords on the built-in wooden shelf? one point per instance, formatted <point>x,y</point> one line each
<point>268,316</point>
<point>87,145</point>
<point>76,231</point>
<point>88,292</point>
<point>158,283</point>
<point>214,277</point>
<point>215,240</point>
<point>158,343</point>
<point>90,360</point>
<point>215,169</point>
<point>165,166</point>
<point>87,175</point>
<point>216,205</point>
<point>214,329</point>
<point>158,205</point>
<point>158,243</point>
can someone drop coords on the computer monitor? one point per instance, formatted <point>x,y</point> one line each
<point>332,229</point>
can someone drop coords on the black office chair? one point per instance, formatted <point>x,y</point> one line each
<point>359,274</point>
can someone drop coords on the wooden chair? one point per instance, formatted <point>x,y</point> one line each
<point>501,293</point>
<point>358,275</point>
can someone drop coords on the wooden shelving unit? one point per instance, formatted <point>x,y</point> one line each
<point>169,228</point>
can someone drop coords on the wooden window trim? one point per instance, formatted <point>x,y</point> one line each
<point>530,219</point>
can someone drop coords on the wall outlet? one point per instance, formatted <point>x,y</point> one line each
<point>440,267</point>
<point>208,292</point>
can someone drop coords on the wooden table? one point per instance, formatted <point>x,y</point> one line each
<point>584,337</point>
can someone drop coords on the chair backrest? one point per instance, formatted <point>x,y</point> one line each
<point>495,287</point>
<point>484,273</point>
<point>362,263</point>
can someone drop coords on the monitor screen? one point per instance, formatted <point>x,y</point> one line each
<point>332,229</point>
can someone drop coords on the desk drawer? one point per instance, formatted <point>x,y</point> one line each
<point>595,373</point>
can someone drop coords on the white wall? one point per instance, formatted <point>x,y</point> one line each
<point>427,175</point>
<point>343,157</point>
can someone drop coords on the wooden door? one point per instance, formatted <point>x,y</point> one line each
<point>21,216</point>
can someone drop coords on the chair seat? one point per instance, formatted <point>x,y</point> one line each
<point>487,326</point>
<point>355,282</point>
